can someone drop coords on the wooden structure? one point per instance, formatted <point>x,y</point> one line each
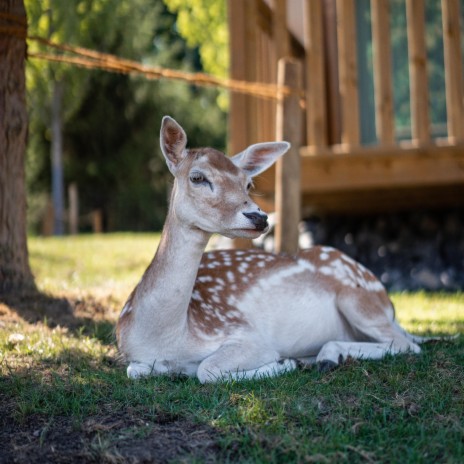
<point>339,173</point>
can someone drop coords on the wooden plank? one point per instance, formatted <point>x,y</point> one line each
<point>348,71</point>
<point>453,69</point>
<point>329,14</point>
<point>252,63</point>
<point>383,87</point>
<point>316,111</point>
<point>420,121</point>
<point>384,168</point>
<point>280,31</point>
<point>238,139</point>
<point>240,128</point>
<point>287,186</point>
<point>376,167</point>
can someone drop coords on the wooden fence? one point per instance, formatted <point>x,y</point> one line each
<point>338,173</point>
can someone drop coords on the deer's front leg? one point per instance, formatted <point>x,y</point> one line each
<point>241,361</point>
<point>137,370</point>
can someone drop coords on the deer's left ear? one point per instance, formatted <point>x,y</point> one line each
<point>257,158</point>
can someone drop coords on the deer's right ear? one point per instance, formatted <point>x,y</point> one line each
<point>173,141</point>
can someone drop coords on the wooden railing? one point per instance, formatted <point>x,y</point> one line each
<point>335,162</point>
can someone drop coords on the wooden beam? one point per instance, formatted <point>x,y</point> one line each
<point>329,13</point>
<point>316,111</point>
<point>453,69</point>
<point>384,117</point>
<point>376,167</point>
<point>251,67</point>
<point>348,70</point>
<point>287,185</point>
<point>420,121</point>
<point>384,168</point>
<point>281,36</point>
<point>238,137</point>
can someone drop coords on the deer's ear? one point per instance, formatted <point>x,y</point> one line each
<point>173,141</point>
<point>257,158</point>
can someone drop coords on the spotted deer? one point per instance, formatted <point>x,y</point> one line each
<point>237,314</point>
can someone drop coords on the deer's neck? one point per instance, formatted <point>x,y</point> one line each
<point>163,295</point>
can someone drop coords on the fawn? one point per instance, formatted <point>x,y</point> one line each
<point>236,314</point>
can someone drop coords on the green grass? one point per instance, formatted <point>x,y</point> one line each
<point>91,262</point>
<point>404,409</point>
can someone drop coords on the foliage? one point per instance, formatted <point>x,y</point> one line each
<point>204,24</point>
<point>111,121</point>
<point>66,379</point>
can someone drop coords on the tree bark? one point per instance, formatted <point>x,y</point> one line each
<point>14,264</point>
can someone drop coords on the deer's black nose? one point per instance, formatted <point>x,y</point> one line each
<point>259,220</point>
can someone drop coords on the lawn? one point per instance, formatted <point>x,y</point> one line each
<point>64,395</point>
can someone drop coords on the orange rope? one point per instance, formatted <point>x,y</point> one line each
<point>91,59</point>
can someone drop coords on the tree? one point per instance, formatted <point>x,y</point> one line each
<point>14,264</point>
<point>203,23</point>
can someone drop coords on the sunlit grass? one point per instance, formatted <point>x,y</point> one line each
<point>91,262</point>
<point>430,313</point>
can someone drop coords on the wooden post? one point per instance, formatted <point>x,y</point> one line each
<point>384,120</point>
<point>453,70</point>
<point>73,197</point>
<point>238,132</point>
<point>48,219</point>
<point>289,128</point>
<point>329,15</point>
<point>97,221</point>
<point>348,69</point>
<point>280,31</point>
<point>420,123</point>
<point>316,112</point>
<point>252,62</point>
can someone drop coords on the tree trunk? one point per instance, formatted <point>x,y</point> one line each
<point>14,265</point>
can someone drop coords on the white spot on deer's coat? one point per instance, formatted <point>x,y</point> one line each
<point>270,282</point>
<point>326,270</point>
<point>243,267</point>
<point>373,286</point>
<point>327,249</point>
<point>324,256</point>
<point>307,265</point>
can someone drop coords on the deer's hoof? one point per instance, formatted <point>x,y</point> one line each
<point>326,366</point>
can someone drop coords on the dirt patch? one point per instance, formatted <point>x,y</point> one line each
<point>122,437</point>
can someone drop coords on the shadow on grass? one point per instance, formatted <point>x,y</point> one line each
<point>86,315</point>
<point>73,407</point>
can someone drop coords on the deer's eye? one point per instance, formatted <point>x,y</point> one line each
<point>249,186</point>
<point>197,178</point>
